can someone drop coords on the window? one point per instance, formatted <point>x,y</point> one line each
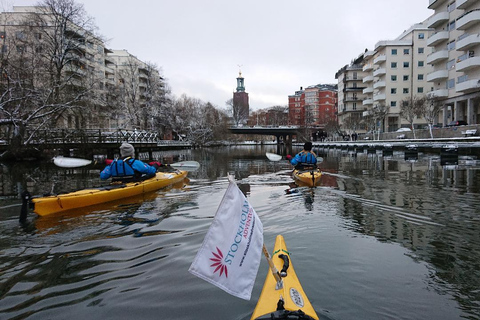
<point>20,35</point>
<point>451,45</point>
<point>393,90</point>
<point>421,63</point>
<point>420,90</point>
<point>405,90</point>
<point>354,106</point>
<point>405,78</point>
<point>450,64</point>
<point>421,36</point>
<point>420,77</point>
<point>393,77</point>
<point>452,6</point>
<point>421,50</point>
<point>406,64</point>
<point>450,83</point>
<point>393,103</point>
<point>406,51</point>
<point>451,26</point>
<point>394,52</point>
<point>393,65</point>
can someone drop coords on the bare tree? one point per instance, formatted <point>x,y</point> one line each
<point>430,111</point>
<point>352,122</point>
<point>45,74</point>
<point>380,113</point>
<point>412,108</point>
<point>237,110</point>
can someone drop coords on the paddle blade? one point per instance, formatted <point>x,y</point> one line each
<point>65,162</point>
<point>186,165</point>
<point>273,156</point>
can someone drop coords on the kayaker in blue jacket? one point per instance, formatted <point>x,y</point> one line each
<point>305,158</point>
<point>127,168</point>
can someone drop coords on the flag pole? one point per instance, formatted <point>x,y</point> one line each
<point>275,272</point>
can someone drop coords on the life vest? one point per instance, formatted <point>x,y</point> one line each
<point>122,170</point>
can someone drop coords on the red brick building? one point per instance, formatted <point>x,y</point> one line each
<point>314,106</point>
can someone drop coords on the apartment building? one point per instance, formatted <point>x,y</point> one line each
<point>93,75</point>
<point>455,78</point>
<point>396,70</point>
<point>314,107</point>
<point>351,94</point>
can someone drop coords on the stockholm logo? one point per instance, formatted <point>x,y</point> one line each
<point>218,263</point>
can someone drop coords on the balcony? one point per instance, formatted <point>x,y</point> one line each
<point>434,4</point>
<point>468,20</point>
<point>437,56</point>
<point>367,79</point>
<point>379,97</point>
<point>367,102</point>
<point>468,42</point>
<point>379,84</point>
<point>367,90</point>
<point>368,54</point>
<point>468,85</point>
<point>368,67</point>
<point>379,72</point>
<point>437,19</point>
<point>441,93</point>
<point>463,4</point>
<point>437,75</point>
<point>437,38</point>
<point>468,64</point>
<point>380,59</point>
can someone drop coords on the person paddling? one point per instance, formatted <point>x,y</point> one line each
<point>127,168</point>
<point>305,158</point>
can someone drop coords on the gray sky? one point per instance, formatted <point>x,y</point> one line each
<point>281,45</point>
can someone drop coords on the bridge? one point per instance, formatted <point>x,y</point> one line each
<point>87,141</point>
<point>286,132</point>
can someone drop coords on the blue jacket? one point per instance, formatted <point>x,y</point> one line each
<point>304,157</point>
<point>128,169</point>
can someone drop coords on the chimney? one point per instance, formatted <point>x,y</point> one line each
<point>301,88</point>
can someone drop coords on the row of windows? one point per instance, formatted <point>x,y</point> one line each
<point>406,64</point>
<point>420,50</point>
<point>406,90</point>
<point>393,77</point>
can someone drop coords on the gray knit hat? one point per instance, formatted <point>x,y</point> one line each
<point>127,150</point>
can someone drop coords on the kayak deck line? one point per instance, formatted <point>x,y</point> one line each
<point>289,302</point>
<point>47,205</point>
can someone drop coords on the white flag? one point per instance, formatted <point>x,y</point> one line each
<point>231,251</point>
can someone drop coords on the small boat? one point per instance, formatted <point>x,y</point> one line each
<point>88,197</point>
<point>307,177</point>
<point>289,302</point>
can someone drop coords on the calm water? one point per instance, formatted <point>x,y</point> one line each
<point>381,238</point>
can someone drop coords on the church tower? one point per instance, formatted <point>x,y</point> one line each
<point>241,107</point>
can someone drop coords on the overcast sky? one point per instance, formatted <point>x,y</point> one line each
<point>281,45</point>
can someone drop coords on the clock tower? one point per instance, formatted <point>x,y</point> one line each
<point>241,107</point>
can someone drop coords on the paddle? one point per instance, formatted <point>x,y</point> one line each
<point>276,157</point>
<point>66,162</point>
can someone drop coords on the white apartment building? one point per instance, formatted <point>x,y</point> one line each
<point>89,64</point>
<point>396,70</point>
<point>351,94</point>
<point>455,78</point>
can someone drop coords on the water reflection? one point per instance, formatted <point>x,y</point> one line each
<point>100,256</point>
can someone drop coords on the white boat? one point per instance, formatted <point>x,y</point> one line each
<point>66,162</point>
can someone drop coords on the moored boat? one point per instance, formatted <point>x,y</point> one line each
<point>308,178</point>
<point>288,302</point>
<point>88,197</point>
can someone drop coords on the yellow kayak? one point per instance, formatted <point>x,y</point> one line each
<point>308,178</point>
<point>289,302</point>
<point>88,197</point>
